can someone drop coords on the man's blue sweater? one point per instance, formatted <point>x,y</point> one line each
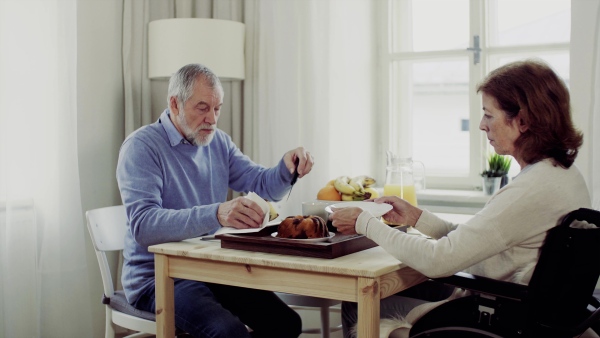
<point>172,189</point>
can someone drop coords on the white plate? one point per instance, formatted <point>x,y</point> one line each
<point>376,209</point>
<point>307,240</point>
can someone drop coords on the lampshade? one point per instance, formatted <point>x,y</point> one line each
<point>217,44</point>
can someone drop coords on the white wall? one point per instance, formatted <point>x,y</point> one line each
<point>583,18</point>
<point>100,120</point>
<point>583,22</point>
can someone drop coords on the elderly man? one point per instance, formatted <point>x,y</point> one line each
<point>174,177</point>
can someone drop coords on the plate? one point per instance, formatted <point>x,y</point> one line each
<point>307,240</point>
<point>376,209</point>
<point>231,230</point>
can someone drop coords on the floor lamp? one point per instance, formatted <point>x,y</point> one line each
<point>216,44</point>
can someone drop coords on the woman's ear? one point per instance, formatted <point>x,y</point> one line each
<point>522,125</point>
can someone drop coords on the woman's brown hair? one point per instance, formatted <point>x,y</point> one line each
<point>530,90</point>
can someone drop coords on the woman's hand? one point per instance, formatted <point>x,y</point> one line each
<point>344,219</point>
<point>402,212</point>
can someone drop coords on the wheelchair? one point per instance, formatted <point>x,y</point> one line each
<point>558,302</point>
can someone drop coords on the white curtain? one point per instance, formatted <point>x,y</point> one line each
<point>43,274</point>
<point>310,70</point>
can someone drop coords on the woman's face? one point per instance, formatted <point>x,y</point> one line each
<point>501,132</point>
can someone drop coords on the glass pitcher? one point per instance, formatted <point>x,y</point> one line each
<point>403,177</point>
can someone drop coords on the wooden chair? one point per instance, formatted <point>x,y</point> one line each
<point>107,227</point>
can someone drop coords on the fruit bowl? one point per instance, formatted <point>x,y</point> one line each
<point>344,188</point>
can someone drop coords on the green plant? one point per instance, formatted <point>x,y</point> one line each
<point>498,165</point>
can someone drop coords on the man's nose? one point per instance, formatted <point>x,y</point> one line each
<point>212,117</point>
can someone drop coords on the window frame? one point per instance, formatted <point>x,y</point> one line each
<point>478,26</point>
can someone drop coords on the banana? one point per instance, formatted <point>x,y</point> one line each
<point>360,183</point>
<point>365,196</point>
<point>373,192</point>
<point>347,197</point>
<point>354,189</point>
<point>272,212</point>
<point>357,184</point>
<point>366,181</point>
<point>360,198</point>
<point>342,185</point>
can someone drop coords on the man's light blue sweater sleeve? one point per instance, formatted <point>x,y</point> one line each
<point>173,193</point>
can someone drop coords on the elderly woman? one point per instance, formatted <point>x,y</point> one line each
<point>526,114</point>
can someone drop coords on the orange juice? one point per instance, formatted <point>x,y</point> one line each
<point>406,192</point>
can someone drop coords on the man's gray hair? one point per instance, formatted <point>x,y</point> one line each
<point>181,84</point>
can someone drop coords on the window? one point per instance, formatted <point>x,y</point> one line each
<point>435,52</point>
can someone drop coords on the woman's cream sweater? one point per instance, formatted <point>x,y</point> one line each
<point>501,241</point>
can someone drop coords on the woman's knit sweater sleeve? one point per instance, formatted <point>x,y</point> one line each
<point>419,252</point>
<point>502,240</point>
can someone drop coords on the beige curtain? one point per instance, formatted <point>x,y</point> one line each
<point>145,99</point>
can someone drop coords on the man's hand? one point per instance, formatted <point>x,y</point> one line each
<point>305,163</point>
<point>240,213</point>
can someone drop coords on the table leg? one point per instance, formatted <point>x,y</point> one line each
<point>165,298</point>
<point>324,321</point>
<point>368,307</point>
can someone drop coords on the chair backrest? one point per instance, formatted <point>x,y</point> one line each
<point>567,271</point>
<point>107,227</point>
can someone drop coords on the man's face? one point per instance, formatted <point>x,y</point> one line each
<point>197,119</point>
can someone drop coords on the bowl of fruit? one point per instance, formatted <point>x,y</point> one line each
<point>344,188</point>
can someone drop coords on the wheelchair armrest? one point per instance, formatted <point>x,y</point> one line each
<point>485,285</point>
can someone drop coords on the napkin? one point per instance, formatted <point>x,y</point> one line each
<point>262,204</point>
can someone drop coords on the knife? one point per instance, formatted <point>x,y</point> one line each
<point>295,178</point>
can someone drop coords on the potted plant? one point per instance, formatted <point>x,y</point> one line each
<point>496,172</point>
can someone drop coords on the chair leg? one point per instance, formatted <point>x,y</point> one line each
<point>109,330</point>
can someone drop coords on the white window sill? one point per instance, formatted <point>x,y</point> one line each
<point>452,201</point>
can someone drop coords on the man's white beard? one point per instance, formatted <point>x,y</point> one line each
<point>194,136</point>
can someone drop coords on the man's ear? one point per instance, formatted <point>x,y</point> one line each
<point>173,105</point>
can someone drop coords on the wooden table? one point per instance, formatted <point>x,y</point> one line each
<point>363,277</point>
